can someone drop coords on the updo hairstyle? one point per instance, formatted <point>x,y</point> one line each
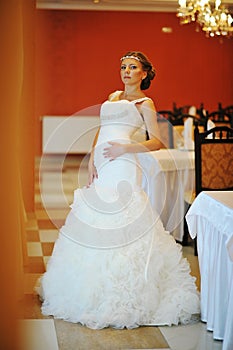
<point>146,66</point>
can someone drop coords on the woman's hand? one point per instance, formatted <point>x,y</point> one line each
<point>92,172</point>
<point>114,151</point>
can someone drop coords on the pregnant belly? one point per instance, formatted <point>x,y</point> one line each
<point>112,172</point>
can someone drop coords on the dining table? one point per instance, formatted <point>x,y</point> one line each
<point>168,178</point>
<point>210,219</point>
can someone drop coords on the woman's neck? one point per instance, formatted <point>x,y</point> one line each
<point>131,94</point>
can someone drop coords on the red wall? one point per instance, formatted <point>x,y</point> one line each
<point>78,56</point>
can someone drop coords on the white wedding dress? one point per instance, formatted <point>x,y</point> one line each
<point>113,263</point>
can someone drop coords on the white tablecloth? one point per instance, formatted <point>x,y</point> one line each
<point>211,219</point>
<point>167,175</point>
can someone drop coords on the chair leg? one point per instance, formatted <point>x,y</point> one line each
<point>186,234</point>
<point>195,247</point>
<point>185,241</point>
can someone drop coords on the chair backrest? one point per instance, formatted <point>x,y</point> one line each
<point>178,128</point>
<point>228,109</point>
<point>201,112</point>
<point>164,118</point>
<point>184,116</point>
<point>220,118</point>
<point>165,130</point>
<point>214,159</point>
<point>180,110</point>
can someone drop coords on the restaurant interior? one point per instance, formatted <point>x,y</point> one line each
<point>60,61</point>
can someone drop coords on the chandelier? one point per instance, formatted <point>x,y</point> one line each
<point>214,20</point>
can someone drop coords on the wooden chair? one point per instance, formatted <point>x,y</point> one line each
<point>165,130</point>
<point>213,160</point>
<point>164,120</point>
<point>220,118</point>
<point>183,116</point>
<point>228,109</point>
<point>178,125</point>
<point>201,112</point>
<point>180,110</point>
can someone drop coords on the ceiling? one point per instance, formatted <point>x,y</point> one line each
<point>117,5</point>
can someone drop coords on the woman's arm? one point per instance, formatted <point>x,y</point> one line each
<point>92,172</point>
<point>148,112</point>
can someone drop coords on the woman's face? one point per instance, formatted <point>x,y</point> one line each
<point>132,72</point>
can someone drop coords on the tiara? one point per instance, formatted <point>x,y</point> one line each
<point>134,57</point>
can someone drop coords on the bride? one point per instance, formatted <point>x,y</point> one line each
<point>113,264</point>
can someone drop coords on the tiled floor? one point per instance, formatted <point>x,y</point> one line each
<point>56,179</point>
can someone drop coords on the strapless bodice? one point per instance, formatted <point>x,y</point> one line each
<point>119,120</point>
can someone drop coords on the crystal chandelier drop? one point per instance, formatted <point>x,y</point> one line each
<point>214,20</point>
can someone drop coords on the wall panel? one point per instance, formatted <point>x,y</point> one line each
<point>78,56</point>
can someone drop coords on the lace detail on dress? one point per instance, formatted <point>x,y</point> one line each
<point>115,116</point>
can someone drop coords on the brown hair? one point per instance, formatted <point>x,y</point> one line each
<point>146,66</point>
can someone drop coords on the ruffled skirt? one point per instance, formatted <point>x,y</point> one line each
<point>140,280</point>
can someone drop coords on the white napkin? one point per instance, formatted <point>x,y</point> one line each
<point>193,111</point>
<point>210,125</point>
<point>188,134</point>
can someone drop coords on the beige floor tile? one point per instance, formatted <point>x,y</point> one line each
<point>190,337</point>
<point>52,213</point>
<point>48,235</point>
<point>34,249</point>
<point>56,201</point>
<point>75,336</point>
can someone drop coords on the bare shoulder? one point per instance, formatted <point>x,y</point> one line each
<point>114,95</point>
<point>110,96</point>
<point>148,104</point>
